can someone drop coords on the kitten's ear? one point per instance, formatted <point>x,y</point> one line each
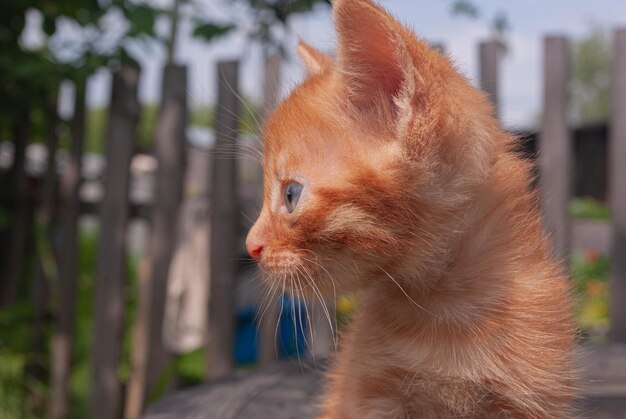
<point>372,55</point>
<point>314,60</point>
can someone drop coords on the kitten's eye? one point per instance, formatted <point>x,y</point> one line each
<point>292,195</point>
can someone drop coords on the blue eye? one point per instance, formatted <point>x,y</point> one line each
<point>292,195</point>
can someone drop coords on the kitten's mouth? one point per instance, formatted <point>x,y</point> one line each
<point>291,273</point>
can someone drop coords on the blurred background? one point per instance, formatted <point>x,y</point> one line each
<point>129,175</point>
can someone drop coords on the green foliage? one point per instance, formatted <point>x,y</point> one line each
<point>96,126</point>
<point>591,273</point>
<point>147,124</point>
<point>15,341</point>
<point>466,8</point>
<point>499,23</point>
<point>142,18</point>
<point>201,116</point>
<point>191,367</point>
<point>14,354</point>
<point>208,30</point>
<point>269,14</point>
<point>591,73</point>
<point>589,208</point>
<point>80,378</point>
<point>249,115</point>
<point>95,130</point>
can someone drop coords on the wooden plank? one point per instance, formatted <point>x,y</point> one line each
<point>289,390</point>
<point>63,337</point>
<point>278,391</point>
<point>617,182</point>
<point>105,392</point>
<point>489,59</point>
<point>555,146</point>
<point>224,225</point>
<point>36,366</point>
<point>150,357</point>
<point>13,271</point>
<point>267,324</point>
<point>590,164</point>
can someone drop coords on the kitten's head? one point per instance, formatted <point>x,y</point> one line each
<point>368,164</point>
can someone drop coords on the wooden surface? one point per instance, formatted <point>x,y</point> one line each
<point>63,337</point>
<point>105,389</point>
<point>13,271</point>
<point>149,356</point>
<point>617,182</point>
<point>267,326</point>
<point>224,224</point>
<point>555,146</point>
<point>287,390</point>
<point>280,391</point>
<point>489,55</point>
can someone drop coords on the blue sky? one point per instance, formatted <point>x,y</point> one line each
<point>521,77</point>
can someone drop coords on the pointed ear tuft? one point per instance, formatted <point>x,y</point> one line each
<point>372,55</point>
<point>314,60</point>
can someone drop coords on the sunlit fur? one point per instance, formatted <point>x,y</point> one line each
<point>414,197</point>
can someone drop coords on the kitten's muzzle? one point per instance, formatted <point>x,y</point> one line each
<point>254,251</point>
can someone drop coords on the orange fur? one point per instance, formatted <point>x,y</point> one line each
<point>414,196</point>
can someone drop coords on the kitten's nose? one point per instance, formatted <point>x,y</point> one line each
<point>254,249</point>
<point>256,240</point>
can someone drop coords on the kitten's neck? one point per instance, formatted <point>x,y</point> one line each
<point>502,234</point>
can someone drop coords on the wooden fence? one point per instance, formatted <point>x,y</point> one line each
<point>586,161</point>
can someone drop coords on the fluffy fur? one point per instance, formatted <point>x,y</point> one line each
<point>414,197</point>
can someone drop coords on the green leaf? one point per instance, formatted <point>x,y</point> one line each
<point>141,19</point>
<point>501,23</point>
<point>463,7</point>
<point>208,30</point>
<point>591,76</point>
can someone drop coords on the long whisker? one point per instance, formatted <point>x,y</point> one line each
<point>309,343</point>
<point>280,313</point>
<point>242,101</point>
<point>332,281</point>
<point>293,317</point>
<point>323,304</point>
<point>268,299</point>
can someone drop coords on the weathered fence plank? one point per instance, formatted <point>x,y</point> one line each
<point>63,337</point>
<point>489,59</point>
<point>590,161</point>
<point>224,225</point>
<point>590,158</point>
<point>16,249</point>
<point>150,357</point>
<point>36,367</point>
<point>267,324</point>
<point>555,145</point>
<point>111,270</point>
<point>617,182</point>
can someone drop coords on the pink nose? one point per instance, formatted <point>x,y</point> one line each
<point>254,250</point>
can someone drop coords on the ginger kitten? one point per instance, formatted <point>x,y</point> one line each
<point>386,172</point>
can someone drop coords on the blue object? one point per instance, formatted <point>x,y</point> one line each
<point>291,333</point>
<point>246,351</point>
<point>292,329</point>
